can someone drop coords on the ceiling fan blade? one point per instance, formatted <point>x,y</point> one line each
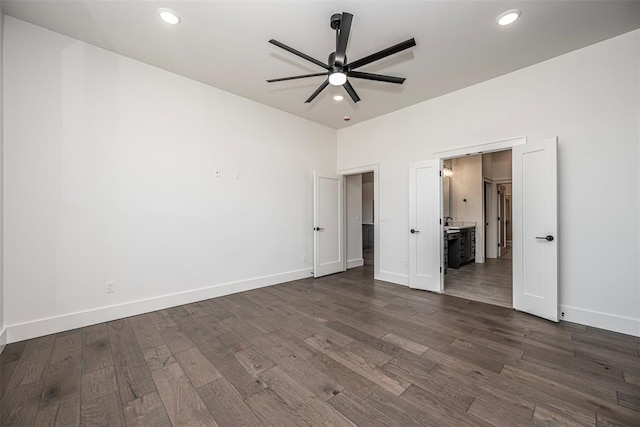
<point>351,91</point>
<point>298,53</point>
<point>341,42</point>
<point>376,77</point>
<point>304,76</point>
<point>317,92</point>
<point>382,54</point>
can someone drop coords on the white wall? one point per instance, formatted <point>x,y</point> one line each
<point>497,166</point>
<point>589,98</point>
<point>467,199</point>
<point>367,203</point>
<point>110,177</point>
<point>354,220</point>
<point>3,337</point>
<point>466,189</point>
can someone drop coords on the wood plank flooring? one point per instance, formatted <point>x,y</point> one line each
<point>341,350</point>
<point>490,282</point>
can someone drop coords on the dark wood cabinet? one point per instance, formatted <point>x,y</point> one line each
<point>460,248</point>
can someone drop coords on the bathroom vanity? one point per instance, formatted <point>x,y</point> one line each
<point>459,246</point>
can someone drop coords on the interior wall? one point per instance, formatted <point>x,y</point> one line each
<point>110,176</point>
<point>491,221</point>
<point>354,220</point>
<point>496,167</point>
<point>3,337</point>
<point>589,98</point>
<point>367,198</point>
<point>466,198</point>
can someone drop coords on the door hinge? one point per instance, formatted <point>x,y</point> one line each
<point>440,269</point>
<point>440,173</point>
<point>440,221</point>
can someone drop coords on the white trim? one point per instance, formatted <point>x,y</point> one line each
<point>488,147</point>
<point>3,340</point>
<point>376,210</point>
<point>502,181</point>
<point>598,319</point>
<point>398,279</point>
<point>353,263</point>
<point>51,325</point>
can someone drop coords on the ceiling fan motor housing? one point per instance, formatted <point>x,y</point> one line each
<point>332,63</point>
<point>336,18</point>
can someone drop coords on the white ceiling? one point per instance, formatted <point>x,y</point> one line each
<point>224,43</point>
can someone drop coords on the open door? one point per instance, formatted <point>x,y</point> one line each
<point>425,233</point>
<point>535,228</point>
<point>328,256</point>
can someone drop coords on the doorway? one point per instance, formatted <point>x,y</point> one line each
<point>368,220</point>
<point>535,222</point>
<point>361,221</point>
<point>478,263</point>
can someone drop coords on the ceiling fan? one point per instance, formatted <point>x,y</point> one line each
<point>338,69</point>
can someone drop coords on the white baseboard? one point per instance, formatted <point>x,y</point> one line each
<point>65,322</point>
<point>3,339</point>
<point>399,279</point>
<point>352,263</point>
<point>608,321</point>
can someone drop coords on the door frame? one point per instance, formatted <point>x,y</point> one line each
<point>489,147</point>
<point>376,212</point>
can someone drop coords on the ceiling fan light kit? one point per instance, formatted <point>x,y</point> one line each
<point>338,70</point>
<point>337,78</point>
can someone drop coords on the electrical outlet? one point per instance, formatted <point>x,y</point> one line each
<point>111,287</point>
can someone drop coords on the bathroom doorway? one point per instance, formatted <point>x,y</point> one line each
<point>360,220</point>
<point>477,227</point>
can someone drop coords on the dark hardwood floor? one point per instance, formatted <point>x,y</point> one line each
<point>340,350</point>
<point>490,282</point>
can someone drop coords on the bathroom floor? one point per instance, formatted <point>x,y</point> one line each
<point>490,282</point>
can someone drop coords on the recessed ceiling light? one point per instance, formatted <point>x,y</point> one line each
<point>338,97</point>
<point>346,118</point>
<point>169,16</point>
<point>508,17</point>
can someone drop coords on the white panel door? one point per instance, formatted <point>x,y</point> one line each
<point>535,228</point>
<point>328,256</point>
<point>425,233</point>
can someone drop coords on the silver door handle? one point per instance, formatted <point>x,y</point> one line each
<point>318,228</point>
<point>414,231</point>
<point>548,238</point>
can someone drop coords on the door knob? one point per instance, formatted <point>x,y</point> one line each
<point>548,238</point>
<point>318,228</point>
<point>414,231</point>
